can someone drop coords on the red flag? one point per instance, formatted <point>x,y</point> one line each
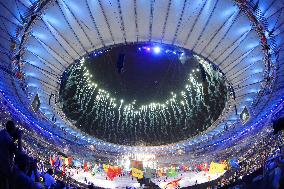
<point>70,159</point>
<point>51,160</point>
<point>86,167</point>
<point>118,170</point>
<point>113,172</point>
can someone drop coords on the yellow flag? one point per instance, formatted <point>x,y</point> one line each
<point>105,167</point>
<point>66,161</point>
<point>160,173</point>
<point>216,168</point>
<point>137,173</point>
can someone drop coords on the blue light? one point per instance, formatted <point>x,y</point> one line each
<point>157,50</point>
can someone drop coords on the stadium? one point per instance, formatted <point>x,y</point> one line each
<point>141,94</point>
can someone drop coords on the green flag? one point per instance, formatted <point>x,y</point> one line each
<point>171,172</point>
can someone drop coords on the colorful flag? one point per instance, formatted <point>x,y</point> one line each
<point>51,160</point>
<point>70,161</point>
<point>95,169</point>
<point>137,164</point>
<point>105,167</point>
<point>86,169</point>
<point>65,161</point>
<point>111,173</point>
<point>173,184</point>
<point>216,168</point>
<point>171,172</point>
<point>137,173</point>
<point>160,173</point>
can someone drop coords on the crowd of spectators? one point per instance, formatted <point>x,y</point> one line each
<point>269,175</point>
<point>262,165</point>
<point>19,170</point>
<point>14,164</point>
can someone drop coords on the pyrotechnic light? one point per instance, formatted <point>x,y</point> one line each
<point>121,113</point>
<point>157,50</point>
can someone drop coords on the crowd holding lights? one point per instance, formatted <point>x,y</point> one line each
<point>119,121</point>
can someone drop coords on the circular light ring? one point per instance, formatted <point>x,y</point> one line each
<point>184,114</point>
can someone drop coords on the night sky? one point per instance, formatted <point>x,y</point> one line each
<point>158,116</point>
<point>146,76</point>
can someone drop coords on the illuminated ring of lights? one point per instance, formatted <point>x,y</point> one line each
<point>183,105</point>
